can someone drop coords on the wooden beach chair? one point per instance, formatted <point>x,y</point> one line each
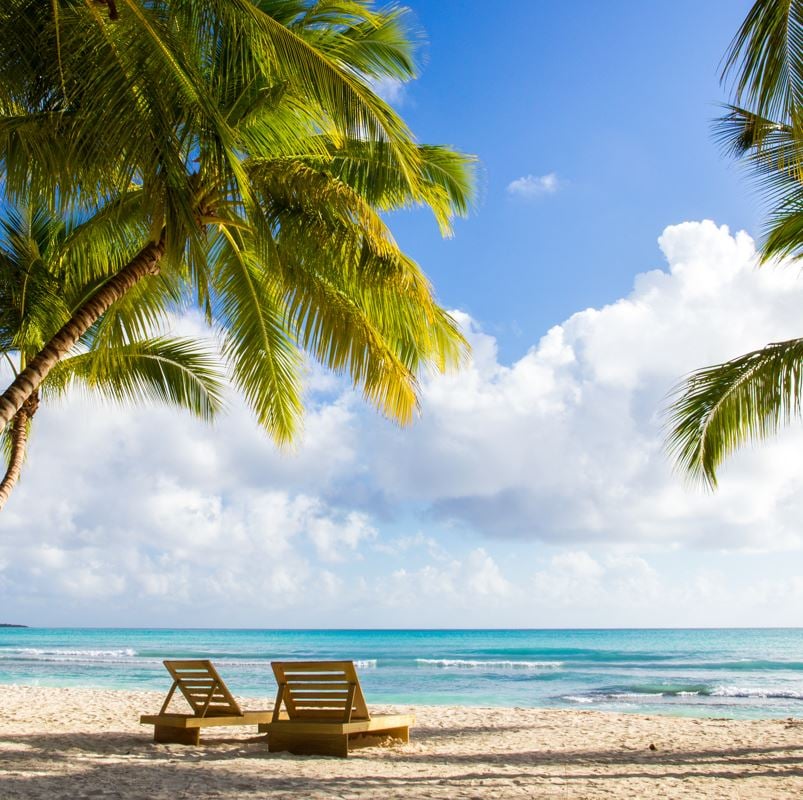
<point>210,700</point>
<point>324,710</point>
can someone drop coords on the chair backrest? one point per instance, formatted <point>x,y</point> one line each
<point>202,688</point>
<point>325,690</point>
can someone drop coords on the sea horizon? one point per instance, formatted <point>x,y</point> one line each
<point>415,628</point>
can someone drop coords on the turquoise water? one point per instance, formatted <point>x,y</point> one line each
<point>722,673</point>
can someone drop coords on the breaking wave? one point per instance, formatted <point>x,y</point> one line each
<point>45,654</point>
<point>469,664</point>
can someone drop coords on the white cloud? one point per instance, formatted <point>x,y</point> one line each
<point>575,578</point>
<point>391,90</point>
<point>566,442</point>
<point>403,544</point>
<point>163,519</point>
<point>483,576</point>
<point>460,583</point>
<point>142,528</point>
<point>530,186</point>
<point>337,540</point>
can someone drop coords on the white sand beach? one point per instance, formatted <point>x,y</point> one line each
<point>87,743</point>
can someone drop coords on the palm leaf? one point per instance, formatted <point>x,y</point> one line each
<point>720,408</point>
<point>764,59</point>
<point>773,153</point>
<point>264,362</point>
<point>176,372</point>
<point>340,334</point>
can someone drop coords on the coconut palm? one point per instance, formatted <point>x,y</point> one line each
<point>721,407</point>
<point>199,106</point>
<point>37,293</point>
<point>340,289</point>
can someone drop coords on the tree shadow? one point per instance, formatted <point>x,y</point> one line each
<point>129,765</point>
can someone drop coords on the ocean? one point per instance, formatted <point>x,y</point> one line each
<point>736,673</point>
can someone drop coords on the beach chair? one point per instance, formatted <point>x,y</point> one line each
<point>324,711</point>
<point>210,700</point>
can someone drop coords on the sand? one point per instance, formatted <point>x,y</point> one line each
<point>86,743</point>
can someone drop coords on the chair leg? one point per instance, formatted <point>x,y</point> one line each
<point>402,733</point>
<point>372,738</point>
<point>166,734</point>
<point>306,745</point>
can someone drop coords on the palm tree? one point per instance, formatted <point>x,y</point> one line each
<point>719,408</point>
<point>37,293</point>
<point>341,290</point>
<point>201,106</point>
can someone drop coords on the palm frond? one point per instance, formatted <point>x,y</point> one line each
<point>175,371</point>
<point>100,243</point>
<point>144,309</point>
<point>764,60</point>
<point>32,303</point>
<point>245,134</point>
<point>376,44</point>
<point>773,153</point>
<point>718,409</point>
<point>339,91</point>
<point>264,362</point>
<point>443,180</point>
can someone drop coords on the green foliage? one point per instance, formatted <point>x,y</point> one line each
<point>155,95</point>
<point>246,133</point>
<point>172,371</point>
<point>764,126</point>
<point>764,59</point>
<point>37,294</point>
<point>719,408</point>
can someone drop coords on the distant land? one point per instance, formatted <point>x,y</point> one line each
<point>9,625</point>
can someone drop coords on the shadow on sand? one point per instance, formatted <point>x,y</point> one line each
<point>123,764</point>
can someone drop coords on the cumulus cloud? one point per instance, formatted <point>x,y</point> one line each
<point>575,578</point>
<point>460,582</point>
<point>566,442</point>
<point>339,539</point>
<point>556,456</point>
<point>530,186</point>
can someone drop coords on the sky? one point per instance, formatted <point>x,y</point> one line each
<point>611,250</point>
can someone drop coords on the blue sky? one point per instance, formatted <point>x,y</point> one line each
<point>534,490</point>
<point>614,98</point>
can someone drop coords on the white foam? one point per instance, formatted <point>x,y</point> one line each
<point>578,698</point>
<point>755,692</point>
<point>52,655</point>
<point>36,652</point>
<point>468,664</point>
<point>366,663</point>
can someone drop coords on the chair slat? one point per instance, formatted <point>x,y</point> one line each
<point>315,714</point>
<point>318,666</point>
<point>199,682</point>
<point>303,702</point>
<point>321,689</point>
<point>202,687</point>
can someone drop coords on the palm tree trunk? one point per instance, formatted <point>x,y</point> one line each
<point>19,443</point>
<point>145,263</point>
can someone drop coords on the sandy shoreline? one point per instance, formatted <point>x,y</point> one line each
<point>70,743</point>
